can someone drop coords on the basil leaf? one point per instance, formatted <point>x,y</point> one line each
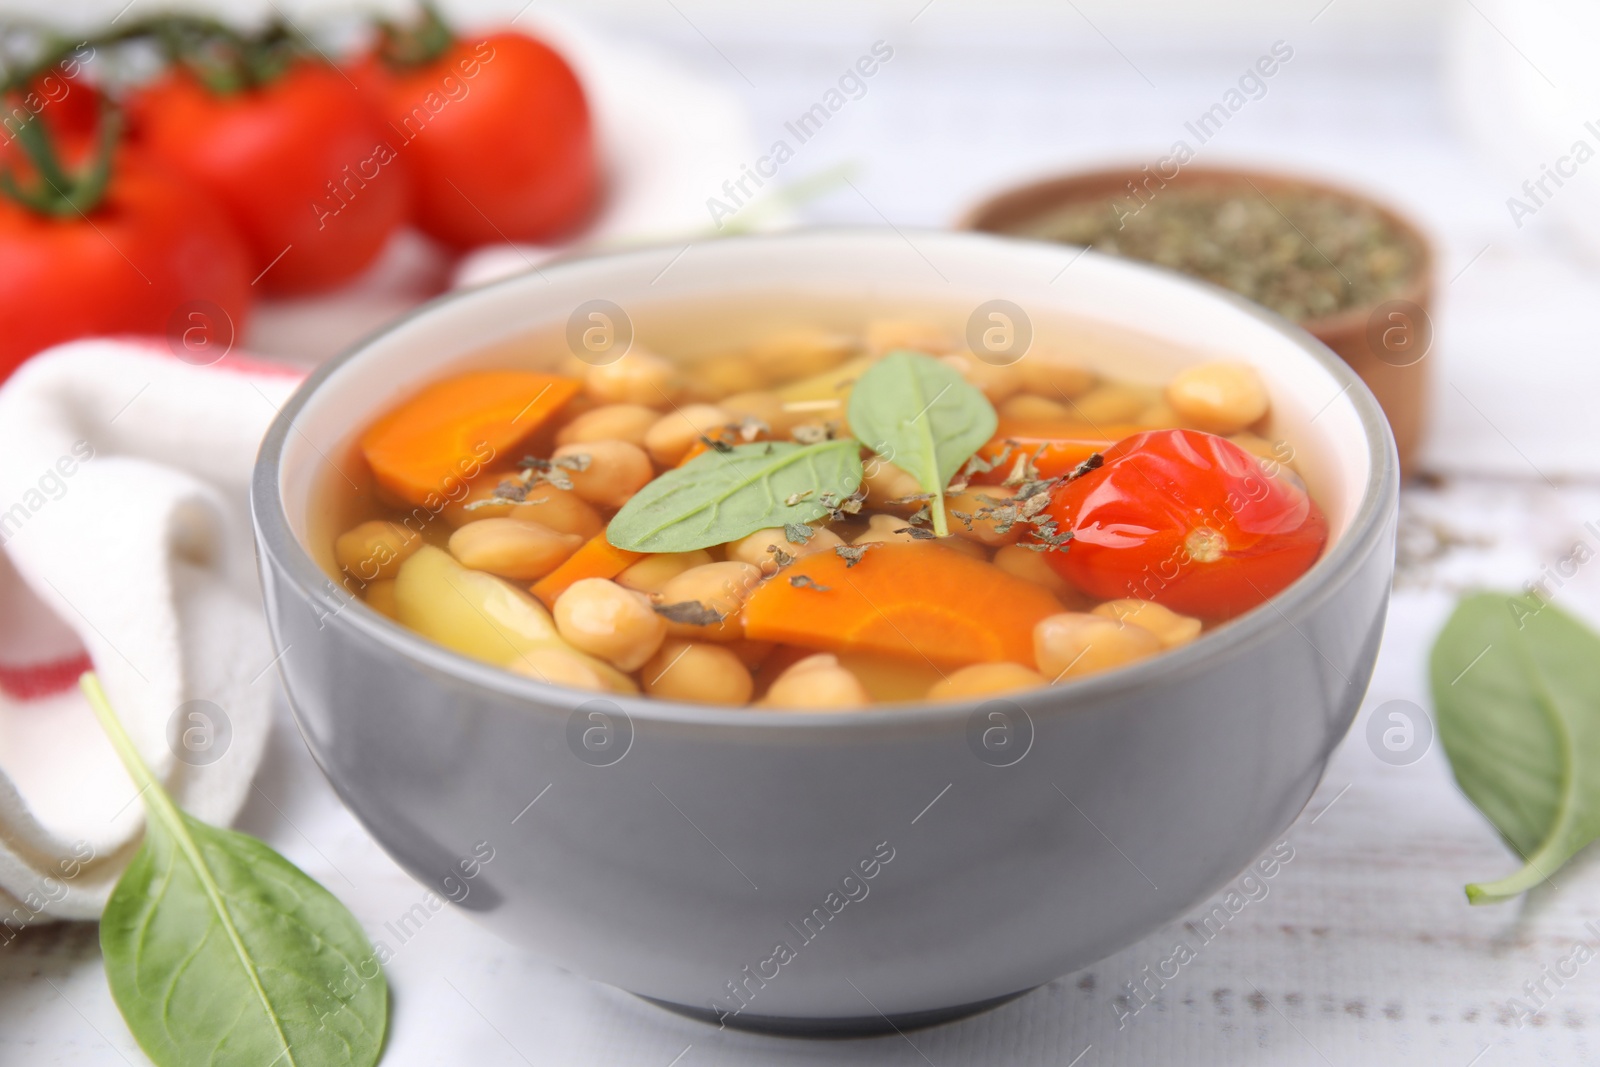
<point>1516,692</point>
<point>923,417</point>
<point>220,951</point>
<point>721,496</point>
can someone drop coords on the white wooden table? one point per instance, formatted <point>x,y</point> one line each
<point>1363,949</point>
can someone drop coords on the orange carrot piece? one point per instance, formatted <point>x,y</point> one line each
<point>597,558</point>
<point>913,600</point>
<point>1054,448</point>
<point>453,429</point>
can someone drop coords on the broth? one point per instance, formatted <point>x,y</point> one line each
<point>885,596</point>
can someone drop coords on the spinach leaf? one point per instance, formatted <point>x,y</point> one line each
<point>923,417</point>
<point>721,496</point>
<point>219,951</point>
<point>1516,692</point>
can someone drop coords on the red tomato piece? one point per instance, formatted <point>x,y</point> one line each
<point>152,245</point>
<point>303,163</point>
<point>1189,520</point>
<point>497,135</point>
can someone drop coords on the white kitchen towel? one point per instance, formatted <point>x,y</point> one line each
<point>125,543</point>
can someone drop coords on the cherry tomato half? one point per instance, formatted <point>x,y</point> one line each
<point>302,163</point>
<point>1186,519</point>
<point>497,135</point>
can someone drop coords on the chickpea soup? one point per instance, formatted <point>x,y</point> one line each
<point>823,517</point>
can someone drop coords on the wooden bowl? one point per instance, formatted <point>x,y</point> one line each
<point>1384,343</point>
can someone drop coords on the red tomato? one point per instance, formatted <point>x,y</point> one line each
<point>308,172</point>
<point>496,133</point>
<point>1188,520</point>
<point>68,106</point>
<point>153,245</point>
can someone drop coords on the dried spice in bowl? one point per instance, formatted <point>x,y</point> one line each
<point>1305,254</point>
<point>1352,272</point>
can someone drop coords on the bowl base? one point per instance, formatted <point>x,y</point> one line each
<point>840,1027</point>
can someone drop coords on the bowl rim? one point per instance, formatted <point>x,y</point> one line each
<point>1378,500</point>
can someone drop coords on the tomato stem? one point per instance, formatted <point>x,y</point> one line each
<point>58,193</point>
<point>416,45</point>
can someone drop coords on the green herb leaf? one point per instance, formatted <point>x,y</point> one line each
<point>220,951</point>
<point>1516,693</point>
<point>923,417</point>
<point>721,496</point>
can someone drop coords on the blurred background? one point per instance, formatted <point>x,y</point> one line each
<point>1441,108</point>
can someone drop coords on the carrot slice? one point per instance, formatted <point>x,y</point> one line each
<point>453,429</point>
<point>1054,448</point>
<point>914,600</point>
<point>597,558</point>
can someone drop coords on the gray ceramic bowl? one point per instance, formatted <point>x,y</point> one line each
<point>835,873</point>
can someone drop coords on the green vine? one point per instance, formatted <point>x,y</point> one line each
<point>55,191</point>
<point>415,45</point>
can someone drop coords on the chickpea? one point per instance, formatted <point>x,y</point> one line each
<point>482,493</point>
<point>721,588</point>
<point>653,572</point>
<point>375,549</point>
<point>984,679</point>
<point>887,484</point>
<point>561,666</point>
<point>603,619</point>
<point>1113,403</point>
<point>797,353</point>
<point>1220,398</point>
<point>1160,416</point>
<point>882,528</point>
<point>561,510</point>
<point>558,509</point>
<point>1019,561</point>
<point>512,548</point>
<point>1072,645</point>
<point>996,383</point>
<point>639,377</point>
<point>1029,408</point>
<point>615,472</point>
<point>613,422</point>
<point>757,548</point>
<point>765,408</point>
<point>670,436</point>
<point>571,366</point>
<point>711,378</point>
<point>1053,378</point>
<point>1169,627</point>
<point>697,673</point>
<point>1272,454</point>
<point>380,598</point>
<point>817,683</point>
<point>980,503</point>
<point>886,335</point>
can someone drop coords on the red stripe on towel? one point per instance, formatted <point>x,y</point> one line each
<point>39,680</point>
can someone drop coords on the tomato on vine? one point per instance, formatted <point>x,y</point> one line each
<point>284,140</point>
<point>496,131</point>
<point>96,239</point>
<point>1188,520</point>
